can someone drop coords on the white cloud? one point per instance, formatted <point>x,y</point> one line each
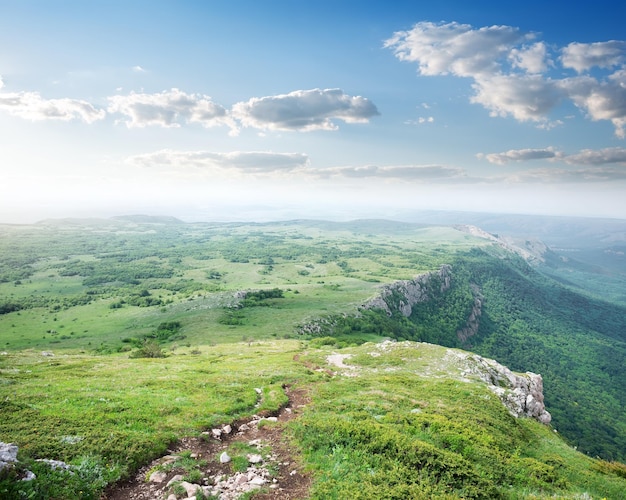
<point>304,110</point>
<point>520,155</point>
<point>533,59</point>
<point>584,157</point>
<point>245,161</point>
<point>604,100</point>
<point>525,97</point>
<point>598,157</point>
<point>138,69</point>
<point>421,120</point>
<point>509,75</point>
<point>584,56</point>
<point>31,106</point>
<point>442,48</point>
<point>431,173</point>
<point>168,109</point>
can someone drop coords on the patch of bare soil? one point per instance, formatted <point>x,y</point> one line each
<point>287,481</point>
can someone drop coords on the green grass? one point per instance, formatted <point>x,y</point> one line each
<point>407,426</point>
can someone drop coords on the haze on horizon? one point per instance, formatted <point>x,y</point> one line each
<point>258,111</point>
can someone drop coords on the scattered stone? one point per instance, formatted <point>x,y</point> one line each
<point>29,476</point>
<point>55,464</point>
<point>271,419</point>
<point>157,477</point>
<point>254,458</point>
<point>217,433</point>
<point>224,458</point>
<point>227,429</point>
<point>47,353</point>
<point>258,390</point>
<point>175,479</point>
<point>244,428</point>
<point>190,488</point>
<point>8,455</point>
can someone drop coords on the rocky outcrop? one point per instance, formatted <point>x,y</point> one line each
<point>402,295</point>
<point>522,394</point>
<point>473,321</point>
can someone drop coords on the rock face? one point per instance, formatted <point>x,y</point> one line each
<point>522,394</point>
<point>473,321</point>
<point>403,295</point>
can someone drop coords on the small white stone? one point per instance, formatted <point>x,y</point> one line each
<point>227,429</point>
<point>157,477</point>
<point>254,458</point>
<point>176,478</point>
<point>224,458</point>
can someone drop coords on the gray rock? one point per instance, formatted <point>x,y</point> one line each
<point>157,477</point>
<point>224,458</point>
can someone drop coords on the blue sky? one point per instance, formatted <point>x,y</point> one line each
<point>240,110</point>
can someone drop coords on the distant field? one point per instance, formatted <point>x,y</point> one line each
<point>91,285</point>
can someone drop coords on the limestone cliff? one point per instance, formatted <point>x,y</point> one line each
<point>403,295</point>
<point>522,394</point>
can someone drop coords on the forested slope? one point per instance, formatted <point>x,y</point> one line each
<point>529,322</point>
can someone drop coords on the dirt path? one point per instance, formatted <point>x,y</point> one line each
<point>286,482</point>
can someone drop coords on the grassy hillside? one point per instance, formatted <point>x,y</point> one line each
<point>82,301</point>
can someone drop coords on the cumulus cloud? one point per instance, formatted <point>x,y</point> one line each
<point>601,100</point>
<point>509,72</point>
<point>304,110</point>
<point>442,48</point>
<point>520,155</point>
<point>31,106</point>
<point>584,56</point>
<point>532,59</point>
<point>524,97</point>
<point>245,161</point>
<point>168,109</point>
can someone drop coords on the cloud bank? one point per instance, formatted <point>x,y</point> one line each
<point>31,106</point>
<point>584,157</point>
<point>244,161</point>
<point>300,110</point>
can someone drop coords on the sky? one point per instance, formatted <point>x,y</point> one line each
<point>249,110</point>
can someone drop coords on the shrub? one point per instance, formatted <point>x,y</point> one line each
<point>150,349</point>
